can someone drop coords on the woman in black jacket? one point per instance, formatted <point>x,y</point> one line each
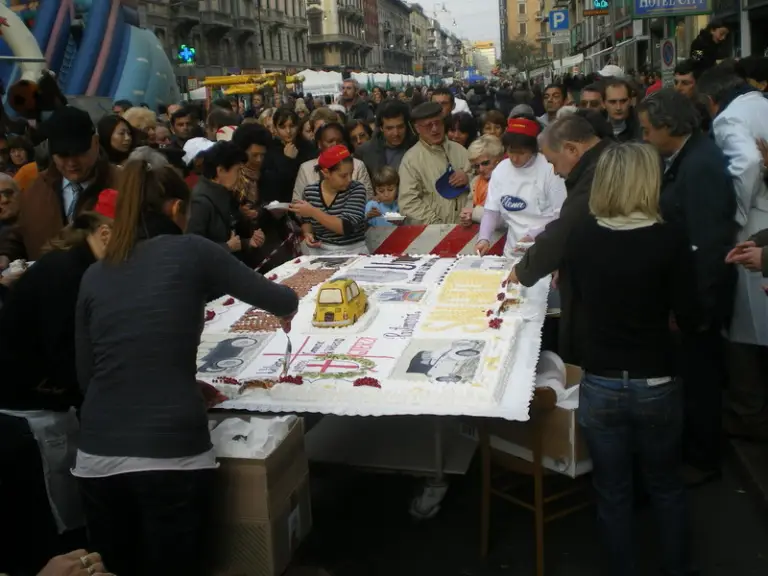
<point>37,353</point>
<point>708,47</point>
<point>145,463</point>
<point>630,272</point>
<point>215,212</point>
<point>286,153</point>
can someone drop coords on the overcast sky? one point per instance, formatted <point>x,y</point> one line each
<point>476,19</point>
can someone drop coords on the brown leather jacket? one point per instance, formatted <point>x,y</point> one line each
<point>41,210</point>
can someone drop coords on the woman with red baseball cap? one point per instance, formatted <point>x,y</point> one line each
<point>40,386</point>
<point>333,210</point>
<point>524,190</point>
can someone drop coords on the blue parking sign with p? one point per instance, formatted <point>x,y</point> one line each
<point>558,20</point>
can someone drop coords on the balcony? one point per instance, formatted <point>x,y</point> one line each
<point>185,11</point>
<point>297,22</point>
<point>347,39</point>
<point>276,16</point>
<point>245,22</point>
<point>213,16</point>
<point>540,17</point>
<point>343,8</point>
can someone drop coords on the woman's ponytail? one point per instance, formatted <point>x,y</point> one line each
<point>134,179</point>
<point>144,189</point>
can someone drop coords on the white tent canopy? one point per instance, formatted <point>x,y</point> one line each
<point>320,83</point>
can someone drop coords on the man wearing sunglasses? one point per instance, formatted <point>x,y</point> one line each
<point>592,98</point>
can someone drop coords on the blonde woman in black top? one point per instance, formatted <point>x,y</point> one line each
<point>630,272</point>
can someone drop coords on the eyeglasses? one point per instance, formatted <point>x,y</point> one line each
<point>590,103</point>
<point>431,126</point>
<point>483,164</point>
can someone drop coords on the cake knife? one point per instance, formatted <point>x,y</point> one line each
<point>287,355</point>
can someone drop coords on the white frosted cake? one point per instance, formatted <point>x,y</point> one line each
<point>415,329</point>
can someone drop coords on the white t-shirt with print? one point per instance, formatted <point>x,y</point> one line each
<point>527,198</point>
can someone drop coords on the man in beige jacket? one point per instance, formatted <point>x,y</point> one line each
<point>434,181</point>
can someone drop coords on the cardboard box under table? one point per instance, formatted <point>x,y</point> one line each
<point>550,441</point>
<point>263,509</point>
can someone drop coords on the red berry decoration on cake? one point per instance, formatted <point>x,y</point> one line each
<point>297,261</point>
<point>489,312</point>
<point>288,379</point>
<point>504,283</point>
<point>500,296</point>
<point>229,301</point>
<point>367,381</point>
<point>225,380</point>
<point>272,277</point>
<point>495,323</point>
<point>209,315</point>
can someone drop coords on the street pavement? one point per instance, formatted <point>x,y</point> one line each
<point>362,528</point>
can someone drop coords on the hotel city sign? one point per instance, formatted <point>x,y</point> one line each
<point>660,8</point>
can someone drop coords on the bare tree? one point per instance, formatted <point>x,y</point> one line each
<point>520,53</point>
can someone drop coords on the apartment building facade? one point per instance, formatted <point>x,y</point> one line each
<point>419,31</point>
<point>396,39</point>
<point>231,35</point>
<point>445,52</point>
<point>337,34</point>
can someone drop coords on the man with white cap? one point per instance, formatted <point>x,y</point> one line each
<point>193,148</point>
<point>611,71</point>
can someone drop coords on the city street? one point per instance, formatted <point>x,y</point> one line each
<point>362,527</point>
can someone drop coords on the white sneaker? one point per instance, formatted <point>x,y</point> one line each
<point>427,504</point>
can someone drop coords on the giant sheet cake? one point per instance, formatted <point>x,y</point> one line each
<point>437,331</point>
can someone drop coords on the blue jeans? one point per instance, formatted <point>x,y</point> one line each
<point>623,419</point>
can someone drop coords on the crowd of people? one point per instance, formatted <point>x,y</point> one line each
<point>648,205</point>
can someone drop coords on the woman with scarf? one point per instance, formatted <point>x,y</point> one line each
<point>40,390</point>
<point>485,153</point>
<point>280,231</point>
<point>145,463</point>
<point>117,138</point>
<point>631,272</point>
<point>216,206</point>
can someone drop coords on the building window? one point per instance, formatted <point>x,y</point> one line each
<point>523,29</point>
<point>521,8</point>
<point>316,25</point>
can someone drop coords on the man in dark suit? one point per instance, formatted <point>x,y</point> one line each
<point>697,193</point>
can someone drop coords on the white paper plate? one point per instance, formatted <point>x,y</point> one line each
<point>277,206</point>
<point>394,218</point>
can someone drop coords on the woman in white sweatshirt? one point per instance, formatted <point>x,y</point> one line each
<point>524,190</point>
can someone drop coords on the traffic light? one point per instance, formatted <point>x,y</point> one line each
<point>186,54</point>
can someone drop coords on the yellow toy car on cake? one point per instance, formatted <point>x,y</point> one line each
<point>340,302</point>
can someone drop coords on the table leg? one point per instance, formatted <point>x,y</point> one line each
<point>427,504</point>
<point>485,498</point>
<point>439,456</point>
<point>538,493</point>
